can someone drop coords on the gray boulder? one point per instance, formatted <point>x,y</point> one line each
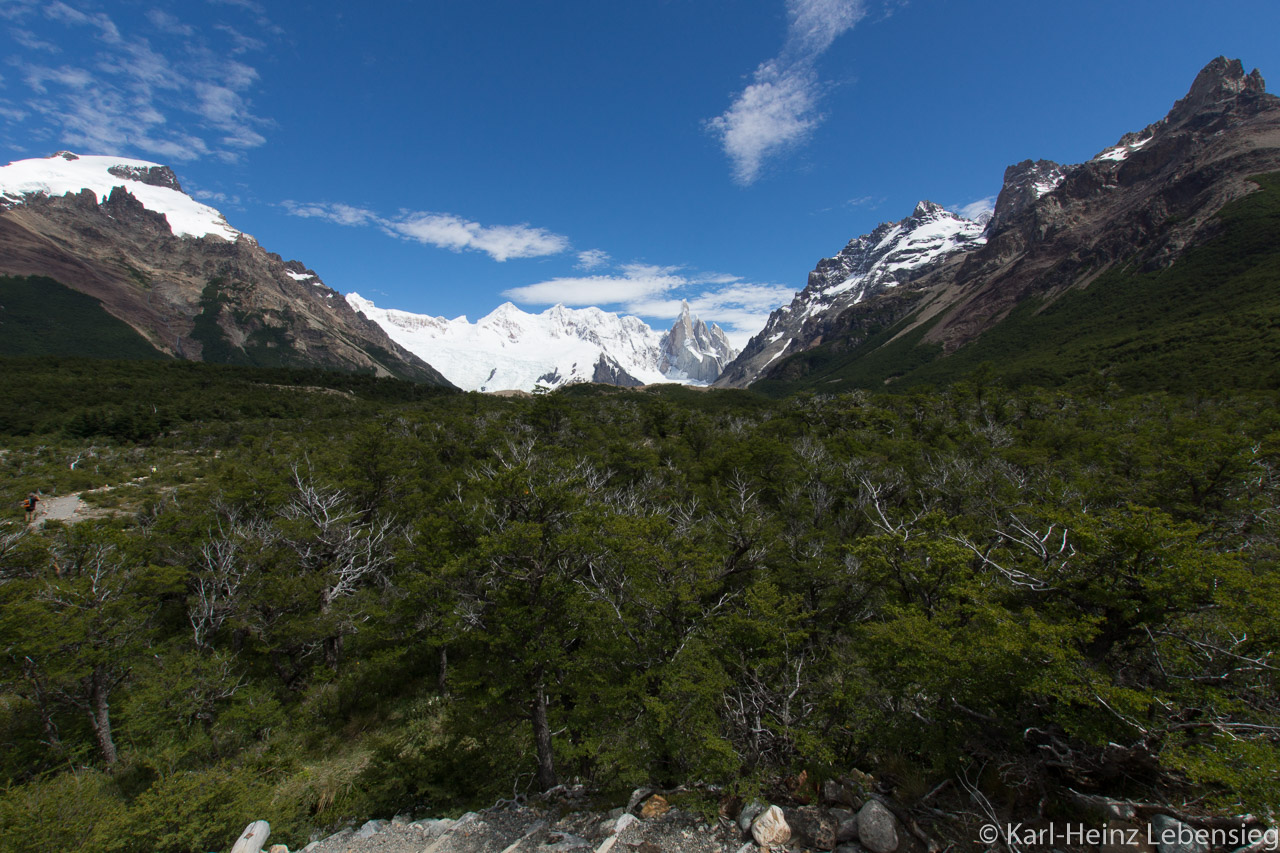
<point>877,828</point>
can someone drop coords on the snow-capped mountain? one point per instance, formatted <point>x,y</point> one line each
<point>892,254</point>
<point>124,233</point>
<point>509,349</point>
<point>1143,204</point>
<point>155,186</point>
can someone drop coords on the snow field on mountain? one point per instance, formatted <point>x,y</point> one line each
<point>57,176</point>
<point>509,349</point>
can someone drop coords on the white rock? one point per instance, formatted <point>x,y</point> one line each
<point>624,821</point>
<point>253,837</point>
<point>770,829</point>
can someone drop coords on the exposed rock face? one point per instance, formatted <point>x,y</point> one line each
<point>156,176</point>
<point>1143,201</point>
<point>694,350</point>
<point>216,297</point>
<point>609,372</point>
<point>893,254</point>
<point>1220,84</point>
<point>1024,184</point>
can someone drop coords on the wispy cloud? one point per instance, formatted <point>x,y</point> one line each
<point>31,41</point>
<point>341,214</point>
<point>226,199</point>
<point>184,97</point>
<point>591,259</point>
<point>778,110</point>
<point>107,30</point>
<point>443,230</point>
<point>976,209</point>
<point>166,23</point>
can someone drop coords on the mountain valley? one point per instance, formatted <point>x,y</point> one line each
<point>977,536</point>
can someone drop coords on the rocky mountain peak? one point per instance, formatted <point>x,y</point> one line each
<point>693,349</point>
<point>927,208</point>
<point>893,253</point>
<point>1220,82</point>
<point>1024,183</point>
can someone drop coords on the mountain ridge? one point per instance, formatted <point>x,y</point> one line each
<point>1138,205</point>
<point>122,232</point>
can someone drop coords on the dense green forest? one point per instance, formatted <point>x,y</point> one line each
<point>311,597</point>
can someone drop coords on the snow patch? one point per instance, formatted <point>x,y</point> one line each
<point>1122,152</point>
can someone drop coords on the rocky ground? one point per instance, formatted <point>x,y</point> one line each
<point>847,819</point>
<point>648,824</point>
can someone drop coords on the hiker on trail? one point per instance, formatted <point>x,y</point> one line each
<point>30,506</point>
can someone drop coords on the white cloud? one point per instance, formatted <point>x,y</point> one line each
<point>816,24</point>
<point>500,242</point>
<point>656,292</point>
<point>215,197</point>
<point>444,230</point>
<point>594,290</point>
<point>183,98</point>
<point>341,214</point>
<point>774,113</point>
<point>592,258</point>
<point>974,209</point>
<point>778,110</point>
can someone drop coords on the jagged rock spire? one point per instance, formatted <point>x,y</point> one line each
<point>1222,80</point>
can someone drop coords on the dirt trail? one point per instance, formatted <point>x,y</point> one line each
<point>63,508</point>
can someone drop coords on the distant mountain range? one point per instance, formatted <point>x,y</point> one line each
<point>511,349</point>
<point>106,256</point>
<point>1155,264</point>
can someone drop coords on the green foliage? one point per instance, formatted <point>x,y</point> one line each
<point>40,317</point>
<point>62,812</point>
<point>337,597</point>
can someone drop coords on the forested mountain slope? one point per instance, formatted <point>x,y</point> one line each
<point>123,234</point>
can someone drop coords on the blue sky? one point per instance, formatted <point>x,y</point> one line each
<point>442,157</point>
